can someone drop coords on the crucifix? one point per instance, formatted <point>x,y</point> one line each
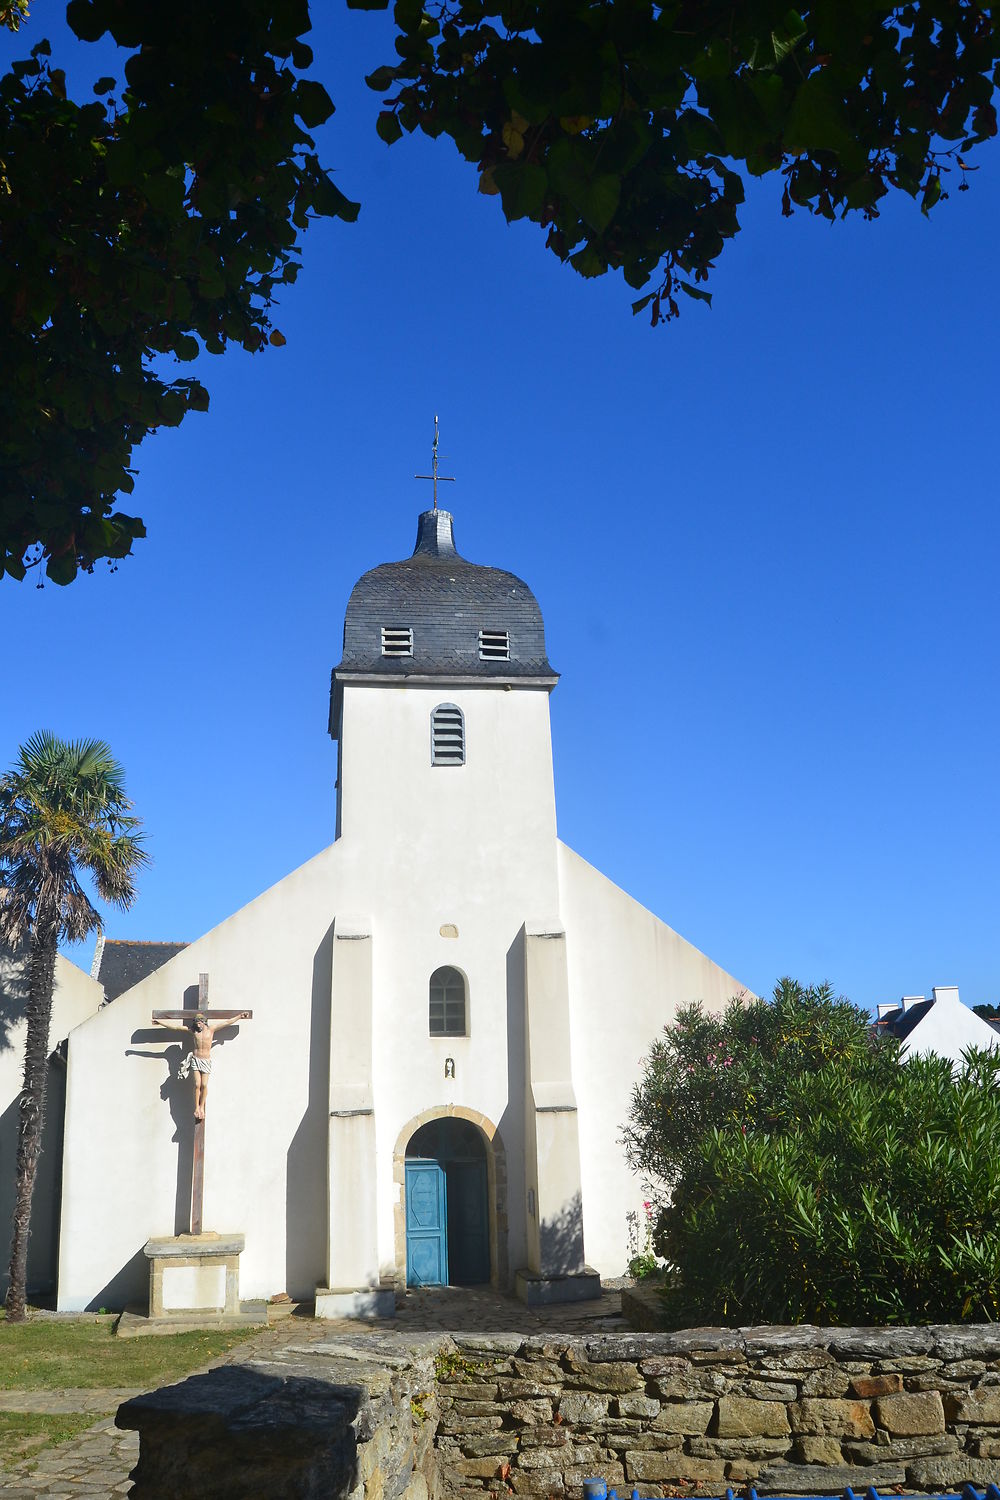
<point>201,1026</point>
<point>434,475</point>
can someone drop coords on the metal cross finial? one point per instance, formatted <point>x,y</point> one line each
<point>434,475</point>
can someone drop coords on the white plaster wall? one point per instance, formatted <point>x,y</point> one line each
<point>949,1028</point>
<point>473,847</point>
<point>265,1156</point>
<point>628,973</point>
<point>75,996</point>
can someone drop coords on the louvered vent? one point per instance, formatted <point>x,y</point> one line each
<point>397,642</point>
<point>447,736</point>
<point>494,645</point>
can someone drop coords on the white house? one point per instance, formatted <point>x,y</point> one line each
<point>75,997</point>
<point>941,1024</point>
<point>449,1005</point>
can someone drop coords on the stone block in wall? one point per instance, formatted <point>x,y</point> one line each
<point>689,1417</point>
<point>913,1364</point>
<point>636,1404</point>
<point>750,1447</point>
<point>482,1447</point>
<point>979,1340</point>
<point>452,1421</point>
<point>611,1377</point>
<point>547,1370</point>
<point>900,1449</point>
<point>964,1369</point>
<point>910,1415</point>
<point>476,1468</point>
<point>664,1365</point>
<point>951,1472</point>
<point>881,1343</point>
<point>743,1416</point>
<point>536,1482</point>
<point>673,1466</point>
<point>816,1417</point>
<point>987,1446</point>
<point>543,1437</point>
<point>515,1390</point>
<point>473,1390</point>
<point>612,1473</point>
<point>546,1458</point>
<point>689,1385</point>
<point>653,1442</point>
<point>461,1410</point>
<point>799,1360</point>
<point>867,1387</point>
<point>979,1406</point>
<point>801,1479</point>
<point>831,1383</point>
<point>818,1450</point>
<point>582,1407</point>
<point>530,1413</point>
<point>763,1389</point>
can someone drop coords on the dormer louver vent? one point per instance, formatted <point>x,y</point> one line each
<point>447,736</point>
<point>396,641</point>
<point>494,645</point>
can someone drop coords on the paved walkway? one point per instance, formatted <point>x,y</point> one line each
<point>97,1463</point>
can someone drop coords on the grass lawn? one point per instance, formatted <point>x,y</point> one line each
<point>48,1355</point>
<point>83,1355</point>
<point>25,1433</point>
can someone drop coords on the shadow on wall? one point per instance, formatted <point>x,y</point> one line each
<point>306,1166</point>
<point>43,1244</point>
<point>207,1434</point>
<point>13,996</point>
<point>511,1123</point>
<point>129,1287</point>
<point>561,1240</point>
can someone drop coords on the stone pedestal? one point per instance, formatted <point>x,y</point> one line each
<point>191,1274</point>
<point>360,1302</point>
<point>536,1290</point>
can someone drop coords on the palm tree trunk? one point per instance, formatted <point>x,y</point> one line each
<point>32,1102</point>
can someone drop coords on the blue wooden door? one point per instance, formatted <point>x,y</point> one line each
<point>426,1224</point>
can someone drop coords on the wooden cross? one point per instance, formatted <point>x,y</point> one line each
<point>434,475</point>
<point>214,1020</point>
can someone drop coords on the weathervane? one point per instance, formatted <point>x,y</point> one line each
<point>434,475</point>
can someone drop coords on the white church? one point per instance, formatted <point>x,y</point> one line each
<point>449,1006</point>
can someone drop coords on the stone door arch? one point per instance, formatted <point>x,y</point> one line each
<point>496,1179</point>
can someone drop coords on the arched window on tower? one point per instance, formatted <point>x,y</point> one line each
<point>447,1003</point>
<point>447,735</point>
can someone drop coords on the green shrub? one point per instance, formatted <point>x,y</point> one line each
<point>874,1199</point>
<point>738,1069</point>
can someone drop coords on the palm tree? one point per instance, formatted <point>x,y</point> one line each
<point>63,811</point>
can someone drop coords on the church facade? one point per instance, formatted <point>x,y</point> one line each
<point>449,1006</point>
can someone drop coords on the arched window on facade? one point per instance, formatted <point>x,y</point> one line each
<point>447,1003</point>
<point>447,735</point>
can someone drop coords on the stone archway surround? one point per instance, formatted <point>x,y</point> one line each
<point>496,1189</point>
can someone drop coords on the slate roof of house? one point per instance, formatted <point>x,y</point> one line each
<point>899,1023</point>
<point>119,963</point>
<point>445,601</point>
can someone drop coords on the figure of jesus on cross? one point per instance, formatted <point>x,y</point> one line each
<point>201,1026</point>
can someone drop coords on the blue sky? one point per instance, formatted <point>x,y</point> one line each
<point>764,540</point>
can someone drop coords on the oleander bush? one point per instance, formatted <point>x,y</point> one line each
<point>803,1173</point>
<point>875,1204</point>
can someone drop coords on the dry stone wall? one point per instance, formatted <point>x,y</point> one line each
<point>790,1410</point>
<point>793,1411</point>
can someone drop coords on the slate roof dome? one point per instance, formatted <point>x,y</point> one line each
<point>435,615</point>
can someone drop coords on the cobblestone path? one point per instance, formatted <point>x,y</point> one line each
<point>96,1464</point>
